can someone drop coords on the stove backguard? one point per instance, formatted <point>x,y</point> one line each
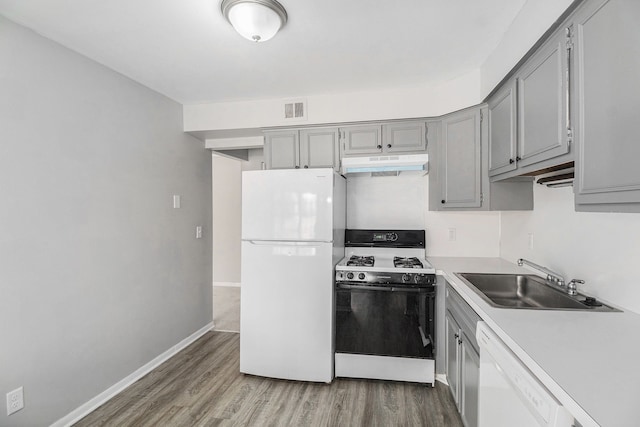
<point>412,239</point>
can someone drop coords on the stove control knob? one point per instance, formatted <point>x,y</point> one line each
<point>419,278</point>
<point>349,276</point>
<point>361,276</point>
<point>406,277</point>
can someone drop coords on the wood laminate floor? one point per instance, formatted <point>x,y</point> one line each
<point>202,386</point>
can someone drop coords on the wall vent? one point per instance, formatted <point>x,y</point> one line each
<point>295,109</point>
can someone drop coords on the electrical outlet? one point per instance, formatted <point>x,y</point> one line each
<point>530,240</point>
<point>176,201</point>
<point>15,401</point>
<point>452,234</point>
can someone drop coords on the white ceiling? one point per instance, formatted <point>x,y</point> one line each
<point>187,51</point>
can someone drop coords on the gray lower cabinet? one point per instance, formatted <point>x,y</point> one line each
<point>470,381</point>
<point>306,148</point>
<point>452,360</point>
<point>606,99</point>
<point>462,356</point>
<point>394,137</point>
<point>458,177</point>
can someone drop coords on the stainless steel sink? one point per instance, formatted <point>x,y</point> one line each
<point>525,291</point>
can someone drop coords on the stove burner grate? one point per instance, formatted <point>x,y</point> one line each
<point>401,262</point>
<point>361,261</point>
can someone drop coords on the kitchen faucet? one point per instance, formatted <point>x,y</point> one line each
<point>551,276</point>
<point>554,278</point>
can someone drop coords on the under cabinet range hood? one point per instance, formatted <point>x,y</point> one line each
<point>388,164</point>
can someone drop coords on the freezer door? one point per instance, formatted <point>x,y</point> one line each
<point>286,311</point>
<point>294,204</point>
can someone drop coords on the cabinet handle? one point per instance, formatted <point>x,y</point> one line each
<point>306,167</point>
<point>518,159</point>
<point>459,341</point>
<point>443,201</point>
<point>511,161</point>
<point>379,147</point>
<point>388,145</point>
<point>456,336</point>
<point>297,167</point>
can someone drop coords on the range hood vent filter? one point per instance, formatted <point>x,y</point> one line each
<point>386,165</point>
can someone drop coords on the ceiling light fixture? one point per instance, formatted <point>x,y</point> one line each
<point>255,20</point>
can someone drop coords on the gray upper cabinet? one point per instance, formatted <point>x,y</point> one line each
<point>281,149</point>
<point>358,140</point>
<point>502,130</point>
<point>458,172</point>
<point>393,137</point>
<point>529,116</point>
<point>307,148</point>
<point>459,160</point>
<point>319,148</point>
<point>543,95</point>
<point>606,100</point>
<point>402,137</point>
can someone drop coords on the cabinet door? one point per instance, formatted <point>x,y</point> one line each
<point>502,130</point>
<point>319,148</point>
<point>405,137</point>
<point>460,160</point>
<point>469,382</point>
<point>281,150</point>
<point>542,104</point>
<point>452,334</point>
<point>607,66</point>
<point>362,140</point>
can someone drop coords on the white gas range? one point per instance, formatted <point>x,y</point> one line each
<point>395,266</point>
<point>385,313</point>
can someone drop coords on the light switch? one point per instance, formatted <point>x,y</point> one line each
<point>176,201</point>
<point>198,232</point>
<point>452,234</point>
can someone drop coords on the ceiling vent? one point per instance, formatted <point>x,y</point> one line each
<point>295,110</point>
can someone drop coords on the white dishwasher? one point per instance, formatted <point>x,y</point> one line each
<point>509,394</point>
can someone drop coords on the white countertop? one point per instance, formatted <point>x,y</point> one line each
<point>589,360</point>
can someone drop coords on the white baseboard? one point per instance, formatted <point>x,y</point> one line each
<point>228,284</point>
<point>82,411</point>
<point>442,378</point>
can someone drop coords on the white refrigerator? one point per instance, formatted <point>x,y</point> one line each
<point>293,224</point>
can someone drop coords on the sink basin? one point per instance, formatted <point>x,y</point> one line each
<point>525,291</point>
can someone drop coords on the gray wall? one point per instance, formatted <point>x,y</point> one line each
<point>98,274</point>
<point>227,219</point>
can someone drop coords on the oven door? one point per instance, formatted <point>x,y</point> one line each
<point>385,332</point>
<point>385,320</point>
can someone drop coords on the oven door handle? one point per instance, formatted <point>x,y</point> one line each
<point>346,286</point>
